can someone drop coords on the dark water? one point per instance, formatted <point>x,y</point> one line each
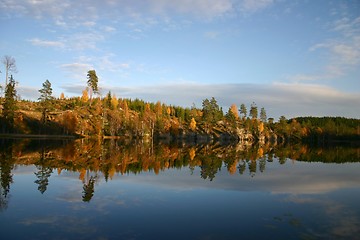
<point>116,190</point>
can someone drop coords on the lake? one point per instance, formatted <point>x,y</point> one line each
<point>85,189</point>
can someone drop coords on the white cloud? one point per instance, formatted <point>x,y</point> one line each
<point>89,23</point>
<point>26,92</point>
<point>107,64</point>
<point>76,67</point>
<point>109,29</point>
<point>348,54</point>
<point>66,13</point>
<point>46,43</point>
<point>78,41</point>
<point>85,40</point>
<point>347,26</point>
<point>342,52</point>
<point>77,71</point>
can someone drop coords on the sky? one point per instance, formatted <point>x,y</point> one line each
<point>294,58</point>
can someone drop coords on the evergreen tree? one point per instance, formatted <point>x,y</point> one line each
<point>243,110</point>
<point>10,102</point>
<point>253,111</point>
<point>43,176</point>
<point>88,190</point>
<point>45,98</point>
<point>230,116</point>
<point>92,82</point>
<point>211,111</point>
<point>263,117</point>
<point>109,100</point>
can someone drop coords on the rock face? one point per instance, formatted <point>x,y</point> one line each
<point>220,132</point>
<point>244,135</point>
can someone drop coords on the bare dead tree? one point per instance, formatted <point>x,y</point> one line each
<point>10,66</point>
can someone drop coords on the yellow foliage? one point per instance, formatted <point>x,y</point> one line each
<point>319,130</point>
<point>232,168</point>
<point>158,108</point>
<point>126,111</point>
<point>261,127</point>
<point>147,107</point>
<point>112,172</point>
<point>193,124</point>
<point>114,102</point>
<point>234,111</point>
<point>82,174</point>
<point>260,152</point>
<point>85,96</point>
<point>192,153</point>
<point>167,125</point>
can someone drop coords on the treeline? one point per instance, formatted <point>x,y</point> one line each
<point>90,115</point>
<point>331,127</point>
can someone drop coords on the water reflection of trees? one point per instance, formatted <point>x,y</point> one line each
<point>44,171</point>
<point>94,158</point>
<point>7,163</point>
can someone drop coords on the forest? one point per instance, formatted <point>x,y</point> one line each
<point>90,115</point>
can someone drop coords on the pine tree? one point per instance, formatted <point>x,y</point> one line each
<point>92,82</point>
<point>243,110</point>
<point>46,99</point>
<point>263,117</point>
<point>211,111</point>
<point>109,100</point>
<point>10,101</point>
<point>253,111</point>
<point>230,116</point>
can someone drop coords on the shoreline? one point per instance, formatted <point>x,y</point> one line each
<point>37,136</point>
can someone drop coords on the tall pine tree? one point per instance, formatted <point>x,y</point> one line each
<point>92,82</point>
<point>10,102</point>
<point>45,99</point>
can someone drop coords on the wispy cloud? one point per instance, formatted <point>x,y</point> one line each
<point>85,40</point>
<point>78,41</point>
<point>66,13</point>
<point>108,64</point>
<point>77,70</point>
<point>109,29</point>
<point>211,34</point>
<point>342,51</point>
<point>77,67</point>
<point>46,43</point>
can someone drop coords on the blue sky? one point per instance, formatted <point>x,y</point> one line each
<point>295,58</point>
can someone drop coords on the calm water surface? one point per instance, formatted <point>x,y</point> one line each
<point>94,190</point>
